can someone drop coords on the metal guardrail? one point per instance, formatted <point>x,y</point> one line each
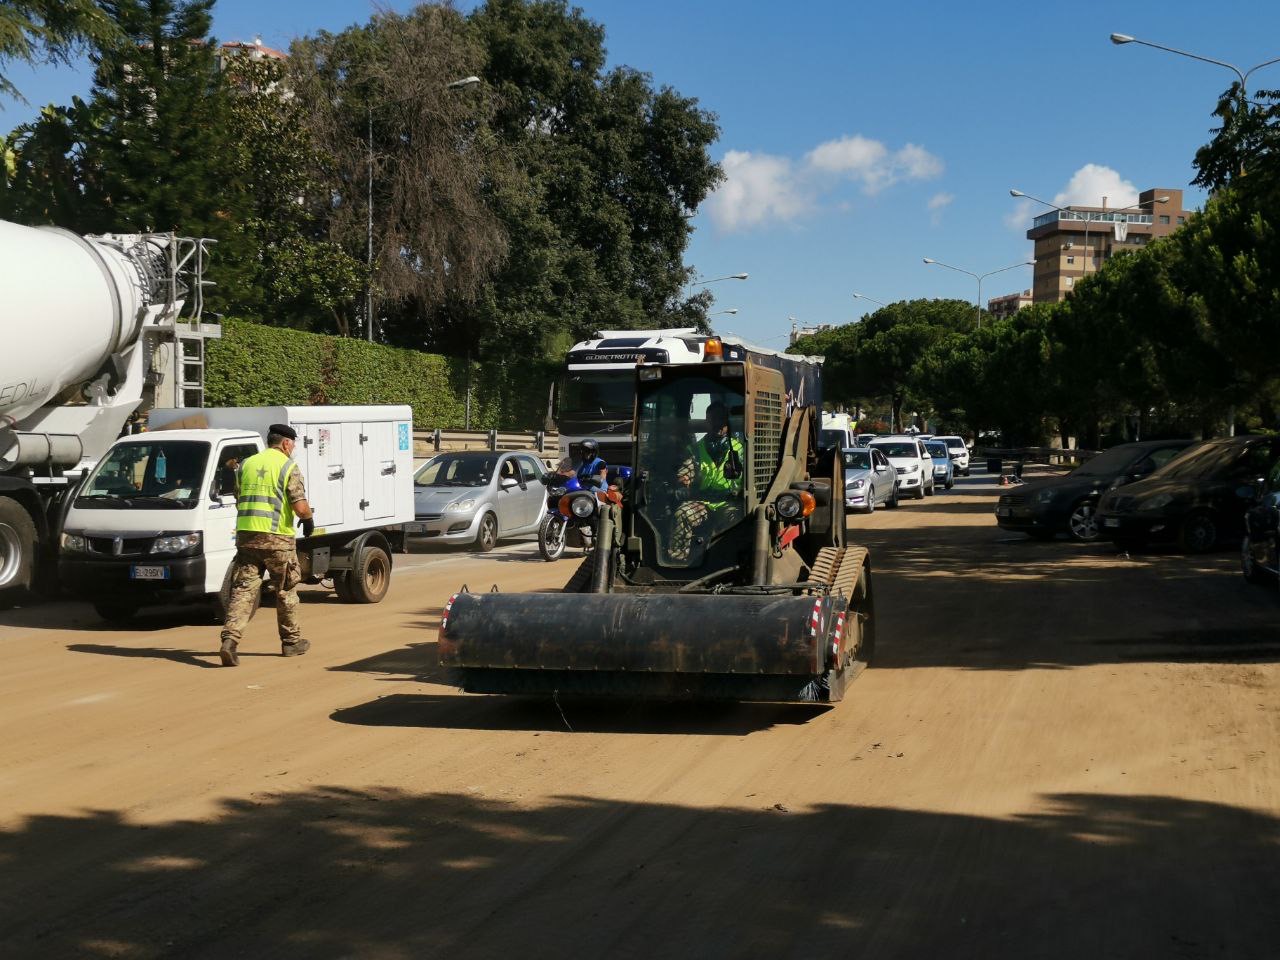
<point>1018,456</point>
<point>428,442</point>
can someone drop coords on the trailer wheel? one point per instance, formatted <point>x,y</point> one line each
<point>17,552</point>
<point>370,575</point>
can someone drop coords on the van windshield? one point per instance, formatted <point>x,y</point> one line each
<point>151,474</point>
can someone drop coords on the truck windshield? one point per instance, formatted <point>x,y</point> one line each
<point>692,456</point>
<point>603,393</point>
<point>149,474</point>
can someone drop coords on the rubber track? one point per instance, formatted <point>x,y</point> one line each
<point>840,567</point>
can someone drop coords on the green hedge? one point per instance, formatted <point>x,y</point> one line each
<point>256,365</point>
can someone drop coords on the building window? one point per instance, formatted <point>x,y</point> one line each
<point>1071,259</point>
<point>1181,221</point>
<point>1164,219</point>
<point>1071,282</point>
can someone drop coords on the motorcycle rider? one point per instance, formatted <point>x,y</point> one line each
<point>592,472</point>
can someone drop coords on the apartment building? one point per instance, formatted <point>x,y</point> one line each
<point>1077,240</point>
<point>1009,304</point>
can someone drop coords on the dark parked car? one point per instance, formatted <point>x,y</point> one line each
<point>1196,499</point>
<point>1067,504</point>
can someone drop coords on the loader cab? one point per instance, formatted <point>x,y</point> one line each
<point>692,480</point>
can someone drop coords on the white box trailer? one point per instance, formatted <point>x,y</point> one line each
<point>154,522</point>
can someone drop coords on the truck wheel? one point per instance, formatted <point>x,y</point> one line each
<point>342,587</point>
<point>114,611</point>
<point>487,535</point>
<point>551,536</point>
<point>17,552</point>
<point>370,575</point>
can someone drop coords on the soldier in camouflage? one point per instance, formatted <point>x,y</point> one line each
<point>269,493</point>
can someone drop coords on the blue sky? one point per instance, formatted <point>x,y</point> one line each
<point>861,137</point>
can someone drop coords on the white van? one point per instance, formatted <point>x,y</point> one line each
<point>155,521</point>
<point>912,463</point>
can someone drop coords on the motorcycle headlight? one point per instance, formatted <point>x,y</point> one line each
<point>582,507</point>
<point>460,506</point>
<point>74,543</point>
<point>176,543</point>
<point>1158,502</point>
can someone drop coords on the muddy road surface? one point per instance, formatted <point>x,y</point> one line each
<point>1060,752</point>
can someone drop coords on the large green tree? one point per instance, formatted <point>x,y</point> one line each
<point>48,31</point>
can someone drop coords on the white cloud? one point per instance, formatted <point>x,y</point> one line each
<point>937,203</point>
<point>1019,218</point>
<point>1086,188</point>
<point>761,187</point>
<point>1091,183</point>
<point>758,187</point>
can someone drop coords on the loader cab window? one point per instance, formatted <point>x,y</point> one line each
<point>152,474</point>
<point>691,451</point>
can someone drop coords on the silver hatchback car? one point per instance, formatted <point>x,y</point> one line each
<point>478,496</point>
<point>869,480</point>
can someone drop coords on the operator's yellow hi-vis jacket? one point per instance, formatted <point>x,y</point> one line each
<point>711,465</point>
<point>261,505</point>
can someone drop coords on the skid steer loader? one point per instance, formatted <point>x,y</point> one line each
<point>721,569</point>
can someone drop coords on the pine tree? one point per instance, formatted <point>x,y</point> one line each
<point>164,142</point>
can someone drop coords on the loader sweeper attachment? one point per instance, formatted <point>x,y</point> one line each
<point>721,572</point>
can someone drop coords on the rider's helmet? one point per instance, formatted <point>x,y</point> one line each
<point>589,449</point>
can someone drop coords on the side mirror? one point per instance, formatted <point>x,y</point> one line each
<point>506,483</point>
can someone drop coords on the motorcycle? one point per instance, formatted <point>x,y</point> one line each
<point>570,519</point>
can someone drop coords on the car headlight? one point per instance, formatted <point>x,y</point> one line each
<point>913,468</point>
<point>74,543</point>
<point>1158,502</point>
<point>1044,496</point>
<point>460,506</point>
<point>176,543</point>
<point>858,484</point>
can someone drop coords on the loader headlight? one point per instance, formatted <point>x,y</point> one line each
<point>176,543</point>
<point>795,504</point>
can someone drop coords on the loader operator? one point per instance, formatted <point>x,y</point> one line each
<point>713,474</point>
<point>269,493</point>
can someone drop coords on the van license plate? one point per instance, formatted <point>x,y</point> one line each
<point>148,573</point>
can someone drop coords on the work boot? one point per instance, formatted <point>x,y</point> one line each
<point>295,649</point>
<point>228,654</point>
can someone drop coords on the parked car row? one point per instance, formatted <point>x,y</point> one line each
<point>1196,494</point>
<point>886,469</point>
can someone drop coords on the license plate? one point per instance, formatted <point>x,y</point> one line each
<point>1111,521</point>
<point>1004,511</point>
<point>148,573</point>
<point>415,528</point>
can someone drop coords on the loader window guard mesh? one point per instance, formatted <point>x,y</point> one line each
<point>764,444</point>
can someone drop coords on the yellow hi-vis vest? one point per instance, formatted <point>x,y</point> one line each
<point>711,468</point>
<point>262,506</point>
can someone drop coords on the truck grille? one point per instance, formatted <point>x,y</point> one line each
<point>128,546</point>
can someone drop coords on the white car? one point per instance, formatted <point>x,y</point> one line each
<point>912,463</point>
<point>959,451</point>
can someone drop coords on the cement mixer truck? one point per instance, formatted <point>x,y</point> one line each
<point>95,329</point>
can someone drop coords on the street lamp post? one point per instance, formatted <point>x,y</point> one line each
<point>1088,218</point>
<point>731,312</point>
<point>863,296</point>
<point>979,277</point>
<point>1119,39</point>
<point>368,283</point>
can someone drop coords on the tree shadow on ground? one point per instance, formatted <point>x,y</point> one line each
<point>334,872</point>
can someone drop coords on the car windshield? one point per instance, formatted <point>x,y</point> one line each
<point>956,445</point>
<point>457,470</point>
<point>1108,463</point>
<point>151,474</point>
<point>692,454</point>
<point>857,460</point>
<point>906,448</point>
<point>939,450</point>
<point>1215,461</point>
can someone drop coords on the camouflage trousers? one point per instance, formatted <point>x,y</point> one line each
<point>246,590</point>
<point>692,515</point>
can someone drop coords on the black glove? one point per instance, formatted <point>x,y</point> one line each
<point>308,526</point>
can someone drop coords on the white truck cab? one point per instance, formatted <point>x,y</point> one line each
<point>155,520</point>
